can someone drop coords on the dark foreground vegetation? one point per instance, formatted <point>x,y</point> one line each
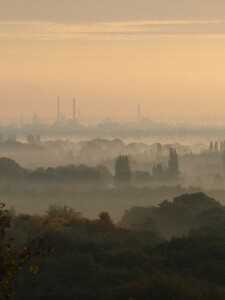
<point>173,251</point>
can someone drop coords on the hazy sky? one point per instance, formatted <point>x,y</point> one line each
<point>169,55</point>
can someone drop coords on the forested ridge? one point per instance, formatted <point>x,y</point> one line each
<point>135,259</point>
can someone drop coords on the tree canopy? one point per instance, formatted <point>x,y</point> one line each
<point>122,169</point>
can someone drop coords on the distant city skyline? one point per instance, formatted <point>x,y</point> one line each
<point>202,120</point>
<point>166,54</point>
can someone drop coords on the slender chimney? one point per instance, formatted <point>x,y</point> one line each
<point>58,109</point>
<point>74,109</point>
<point>21,121</point>
<point>139,112</point>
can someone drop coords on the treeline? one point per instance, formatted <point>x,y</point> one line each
<point>10,170</point>
<point>97,259</point>
<point>185,215</point>
<point>216,146</point>
<point>80,173</point>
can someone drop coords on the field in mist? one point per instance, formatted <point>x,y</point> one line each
<point>81,174</point>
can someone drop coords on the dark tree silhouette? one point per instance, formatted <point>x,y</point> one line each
<point>173,165</point>
<point>211,147</point>
<point>105,218</point>
<point>159,172</point>
<point>122,169</point>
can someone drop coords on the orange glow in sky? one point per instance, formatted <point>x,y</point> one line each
<point>111,57</point>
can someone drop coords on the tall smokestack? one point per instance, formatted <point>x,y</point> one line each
<point>21,121</point>
<point>58,109</point>
<point>79,116</point>
<point>74,109</point>
<point>139,112</point>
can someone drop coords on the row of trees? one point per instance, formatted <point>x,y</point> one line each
<point>159,172</point>
<point>216,146</point>
<point>9,170</point>
<point>186,214</point>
